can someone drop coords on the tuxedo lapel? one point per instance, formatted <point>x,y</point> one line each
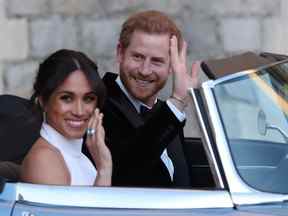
<point>120,100</point>
<point>176,153</point>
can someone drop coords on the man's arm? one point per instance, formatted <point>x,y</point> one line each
<point>182,81</point>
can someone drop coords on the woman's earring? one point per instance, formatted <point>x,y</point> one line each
<point>44,116</point>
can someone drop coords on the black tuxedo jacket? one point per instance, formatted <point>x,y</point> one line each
<point>137,144</point>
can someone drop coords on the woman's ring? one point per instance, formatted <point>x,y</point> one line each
<point>90,131</point>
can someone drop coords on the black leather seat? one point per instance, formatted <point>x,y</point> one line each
<point>19,129</point>
<point>199,169</point>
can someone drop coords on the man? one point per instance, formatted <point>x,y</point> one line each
<point>150,48</point>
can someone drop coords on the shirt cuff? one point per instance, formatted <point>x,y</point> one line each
<point>180,115</point>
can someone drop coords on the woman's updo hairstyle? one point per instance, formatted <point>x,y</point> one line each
<point>58,66</point>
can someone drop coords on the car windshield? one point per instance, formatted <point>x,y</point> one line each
<point>253,108</point>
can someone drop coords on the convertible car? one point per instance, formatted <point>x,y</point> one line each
<point>238,165</point>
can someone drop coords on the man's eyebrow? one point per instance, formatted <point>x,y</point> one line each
<point>136,52</point>
<point>158,57</point>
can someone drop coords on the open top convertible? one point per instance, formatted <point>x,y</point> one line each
<point>238,165</point>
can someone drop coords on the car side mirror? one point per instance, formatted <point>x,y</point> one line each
<point>263,126</point>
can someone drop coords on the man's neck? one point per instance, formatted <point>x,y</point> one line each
<point>136,102</point>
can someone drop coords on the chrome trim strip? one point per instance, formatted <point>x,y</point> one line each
<point>234,181</point>
<point>130,198</point>
<point>232,76</point>
<point>258,198</point>
<point>245,72</point>
<point>241,193</point>
<point>256,167</point>
<point>206,138</point>
<point>117,197</point>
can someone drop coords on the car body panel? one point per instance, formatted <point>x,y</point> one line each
<point>63,211</point>
<point>117,197</point>
<point>279,209</point>
<point>6,207</point>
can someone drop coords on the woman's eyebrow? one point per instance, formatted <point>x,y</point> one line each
<point>63,92</point>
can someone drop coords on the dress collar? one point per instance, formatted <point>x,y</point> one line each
<point>72,147</point>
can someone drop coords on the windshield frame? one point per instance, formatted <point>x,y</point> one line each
<point>241,192</point>
<point>243,73</point>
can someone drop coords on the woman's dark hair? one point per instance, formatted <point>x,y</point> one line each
<point>58,66</point>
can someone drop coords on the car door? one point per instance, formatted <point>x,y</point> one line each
<point>66,200</point>
<point>6,202</point>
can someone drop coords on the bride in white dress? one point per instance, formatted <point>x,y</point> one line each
<point>69,91</point>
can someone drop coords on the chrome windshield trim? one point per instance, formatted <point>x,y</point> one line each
<point>243,73</point>
<point>234,181</point>
<point>118,197</point>
<point>241,193</point>
<point>206,138</point>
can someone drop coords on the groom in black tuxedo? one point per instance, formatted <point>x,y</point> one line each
<point>150,48</point>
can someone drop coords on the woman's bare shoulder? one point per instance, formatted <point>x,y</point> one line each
<point>42,152</point>
<point>44,164</point>
<point>41,146</point>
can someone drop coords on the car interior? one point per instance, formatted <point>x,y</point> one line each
<point>19,129</point>
<point>20,124</point>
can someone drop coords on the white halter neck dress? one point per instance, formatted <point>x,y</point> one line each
<point>81,169</point>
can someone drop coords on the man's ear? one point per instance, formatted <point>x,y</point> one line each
<point>120,52</point>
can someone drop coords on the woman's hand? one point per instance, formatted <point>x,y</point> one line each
<point>99,151</point>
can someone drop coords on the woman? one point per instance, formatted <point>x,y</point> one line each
<point>69,92</point>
